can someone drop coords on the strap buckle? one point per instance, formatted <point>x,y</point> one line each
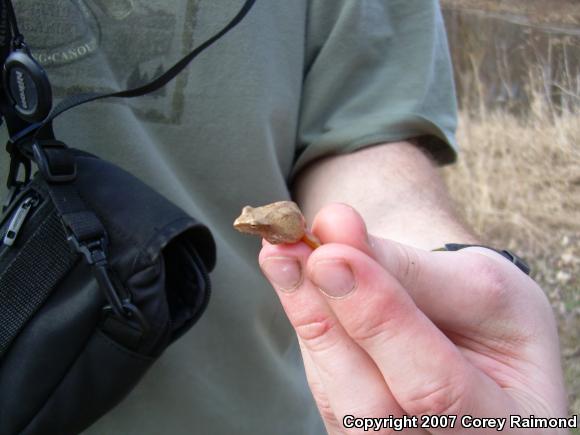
<point>518,261</point>
<point>94,252</point>
<point>17,161</point>
<point>55,161</point>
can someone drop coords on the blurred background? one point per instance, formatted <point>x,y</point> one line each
<point>517,68</point>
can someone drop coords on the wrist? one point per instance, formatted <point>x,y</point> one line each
<point>517,261</point>
<point>421,233</point>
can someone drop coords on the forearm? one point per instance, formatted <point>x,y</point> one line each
<point>396,188</point>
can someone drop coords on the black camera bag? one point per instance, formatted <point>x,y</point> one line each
<point>67,353</point>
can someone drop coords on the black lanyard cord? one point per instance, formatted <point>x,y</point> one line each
<point>17,37</point>
<point>76,100</point>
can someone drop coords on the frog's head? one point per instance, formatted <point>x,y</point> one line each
<point>252,221</point>
<point>279,222</point>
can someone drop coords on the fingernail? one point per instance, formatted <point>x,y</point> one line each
<point>284,272</point>
<point>334,278</point>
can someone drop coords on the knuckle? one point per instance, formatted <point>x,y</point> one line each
<point>491,283</point>
<point>375,323</point>
<point>325,410</point>
<point>330,421</point>
<point>407,266</point>
<point>317,333</point>
<point>444,397</point>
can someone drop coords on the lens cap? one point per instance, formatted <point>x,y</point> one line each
<point>27,86</point>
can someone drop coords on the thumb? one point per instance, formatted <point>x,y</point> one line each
<point>454,289</point>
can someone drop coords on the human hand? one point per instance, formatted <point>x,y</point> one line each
<point>386,329</point>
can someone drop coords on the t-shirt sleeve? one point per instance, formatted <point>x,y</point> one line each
<point>376,71</point>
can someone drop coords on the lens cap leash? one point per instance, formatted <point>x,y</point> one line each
<point>159,82</point>
<point>28,116</point>
<point>25,82</point>
<point>25,93</point>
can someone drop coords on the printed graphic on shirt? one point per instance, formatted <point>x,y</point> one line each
<point>111,45</point>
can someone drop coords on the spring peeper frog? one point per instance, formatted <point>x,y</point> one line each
<point>279,222</point>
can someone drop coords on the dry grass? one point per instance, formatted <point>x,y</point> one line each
<point>524,175</point>
<point>518,178</point>
<point>539,11</point>
<point>518,184</point>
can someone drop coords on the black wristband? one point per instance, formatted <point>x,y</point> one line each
<point>518,261</point>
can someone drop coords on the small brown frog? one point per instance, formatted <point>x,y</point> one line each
<point>279,222</point>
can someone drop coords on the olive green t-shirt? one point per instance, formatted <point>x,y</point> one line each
<point>295,81</point>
